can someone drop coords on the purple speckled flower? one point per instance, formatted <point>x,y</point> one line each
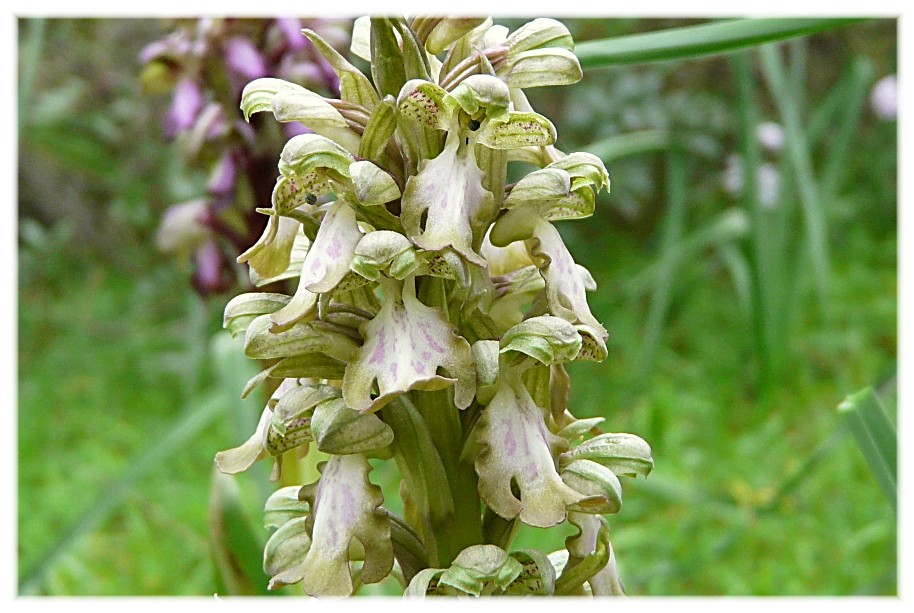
<point>244,59</point>
<point>185,106</point>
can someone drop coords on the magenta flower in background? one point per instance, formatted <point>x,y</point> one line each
<point>185,107</point>
<point>243,58</point>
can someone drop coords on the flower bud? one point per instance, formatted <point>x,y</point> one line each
<point>545,338</point>
<point>624,454</point>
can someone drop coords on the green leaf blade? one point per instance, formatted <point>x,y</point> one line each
<point>696,41</point>
<point>878,440</point>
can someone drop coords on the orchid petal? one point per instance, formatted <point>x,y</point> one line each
<point>449,188</point>
<point>426,103</point>
<point>404,346</point>
<point>345,505</point>
<point>515,445</point>
<point>564,286</point>
<point>241,458</point>
<point>624,454</point>
<point>283,506</point>
<point>449,30</point>
<point>245,308</point>
<point>372,185</point>
<point>326,263</point>
<point>517,130</point>
<point>539,33</point>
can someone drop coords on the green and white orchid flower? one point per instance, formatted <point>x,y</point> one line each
<point>435,310</point>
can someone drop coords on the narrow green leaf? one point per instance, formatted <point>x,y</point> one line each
<point>867,420</point>
<point>673,224</point>
<point>381,126</point>
<point>771,285</point>
<point>862,73</point>
<point>236,549</point>
<point>387,58</point>
<point>415,61</point>
<point>798,150</point>
<point>354,86</point>
<point>408,547</point>
<point>701,40</point>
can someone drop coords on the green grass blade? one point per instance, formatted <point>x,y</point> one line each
<point>172,440</point>
<point>862,73</point>
<point>29,57</point>
<point>740,275</point>
<point>236,549</point>
<point>726,227</point>
<point>697,41</point>
<point>839,97</point>
<point>764,255</point>
<point>634,143</point>
<point>876,436</point>
<point>674,220</point>
<point>797,69</point>
<point>798,150</point>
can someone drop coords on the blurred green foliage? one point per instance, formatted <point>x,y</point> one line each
<point>757,489</point>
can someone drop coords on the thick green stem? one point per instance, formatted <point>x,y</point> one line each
<point>423,474</point>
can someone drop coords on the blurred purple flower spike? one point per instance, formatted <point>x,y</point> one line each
<point>222,180</point>
<point>291,29</point>
<point>293,129</point>
<point>171,48</point>
<point>243,58</point>
<point>185,107</point>
<point>209,275</point>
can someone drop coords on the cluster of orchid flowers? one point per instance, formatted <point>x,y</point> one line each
<point>435,310</point>
<point>204,64</point>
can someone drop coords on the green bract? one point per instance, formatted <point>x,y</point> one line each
<point>429,314</point>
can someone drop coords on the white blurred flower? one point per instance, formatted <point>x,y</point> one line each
<point>181,228</point>
<point>767,181</point>
<point>769,185</point>
<point>884,98</point>
<point>771,136</point>
<point>733,175</point>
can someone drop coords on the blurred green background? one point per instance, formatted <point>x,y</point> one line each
<point>731,341</point>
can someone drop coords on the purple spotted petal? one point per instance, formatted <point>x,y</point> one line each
<point>404,346</point>
<point>344,506</point>
<point>515,445</point>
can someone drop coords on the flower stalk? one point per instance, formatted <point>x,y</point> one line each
<point>435,310</point>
